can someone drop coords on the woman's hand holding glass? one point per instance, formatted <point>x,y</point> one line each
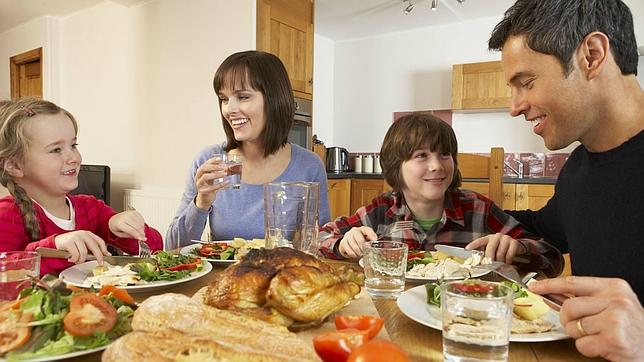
<point>498,247</point>
<point>211,170</point>
<point>352,243</point>
<point>81,242</point>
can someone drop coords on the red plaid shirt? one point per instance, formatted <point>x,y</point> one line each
<point>468,216</point>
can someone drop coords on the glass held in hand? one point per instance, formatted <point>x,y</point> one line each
<point>233,164</point>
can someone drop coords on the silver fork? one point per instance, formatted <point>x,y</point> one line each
<point>144,250</point>
<point>396,227</point>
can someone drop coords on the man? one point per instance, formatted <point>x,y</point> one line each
<point>572,68</point>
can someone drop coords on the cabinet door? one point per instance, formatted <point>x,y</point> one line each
<point>285,28</point>
<point>479,86</point>
<point>483,188</point>
<point>533,197</point>
<point>509,197</point>
<point>365,190</point>
<point>339,197</point>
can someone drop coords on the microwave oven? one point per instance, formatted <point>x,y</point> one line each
<point>301,132</point>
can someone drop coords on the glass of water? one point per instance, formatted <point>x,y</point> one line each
<point>233,163</point>
<point>385,263</point>
<point>16,270</point>
<point>476,320</point>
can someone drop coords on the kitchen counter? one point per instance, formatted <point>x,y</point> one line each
<point>508,180</point>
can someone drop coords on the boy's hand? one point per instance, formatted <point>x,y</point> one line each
<point>498,247</point>
<point>352,244</point>
<point>81,242</point>
<point>128,224</point>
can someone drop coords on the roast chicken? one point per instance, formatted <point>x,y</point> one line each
<point>284,286</point>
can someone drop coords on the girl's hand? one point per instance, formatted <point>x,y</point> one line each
<point>79,243</point>
<point>128,224</point>
<point>352,244</point>
<point>205,177</point>
<point>498,247</point>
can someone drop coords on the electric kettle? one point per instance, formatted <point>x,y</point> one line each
<point>337,159</point>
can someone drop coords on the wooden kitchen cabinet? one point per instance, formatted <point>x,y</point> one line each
<point>533,196</point>
<point>285,28</point>
<point>479,86</point>
<point>365,190</point>
<point>483,189</point>
<point>339,192</point>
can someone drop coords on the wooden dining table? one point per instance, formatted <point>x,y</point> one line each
<point>422,343</point>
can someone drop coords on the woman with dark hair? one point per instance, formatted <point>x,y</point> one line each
<point>257,111</point>
<point>418,158</point>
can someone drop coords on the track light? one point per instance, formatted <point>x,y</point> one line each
<point>409,7</point>
<point>434,5</point>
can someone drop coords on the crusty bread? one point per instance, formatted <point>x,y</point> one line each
<point>175,327</point>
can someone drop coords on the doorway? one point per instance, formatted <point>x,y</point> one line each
<point>26,74</point>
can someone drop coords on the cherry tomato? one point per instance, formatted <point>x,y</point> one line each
<point>337,346</point>
<point>88,314</point>
<point>12,337</point>
<point>120,294</point>
<point>378,350</point>
<point>367,323</point>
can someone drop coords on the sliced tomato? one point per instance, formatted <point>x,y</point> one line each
<point>118,293</point>
<point>187,266</point>
<point>378,350</point>
<point>367,323</point>
<point>88,314</point>
<point>473,287</point>
<point>420,255</point>
<point>337,346</point>
<point>14,336</point>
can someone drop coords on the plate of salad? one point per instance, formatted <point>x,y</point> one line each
<point>223,252</point>
<point>48,324</point>
<point>138,277</point>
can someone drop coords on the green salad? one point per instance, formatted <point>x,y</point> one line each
<point>47,322</point>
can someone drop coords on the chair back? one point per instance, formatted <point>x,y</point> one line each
<point>474,166</point>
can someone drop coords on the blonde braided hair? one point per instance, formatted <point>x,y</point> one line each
<point>14,144</point>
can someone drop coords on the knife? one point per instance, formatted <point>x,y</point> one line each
<point>554,301</point>
<point>113,260</point>
<point>464,253</point>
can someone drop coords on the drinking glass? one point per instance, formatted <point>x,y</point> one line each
<point>385,263</point>
<point>16,268</point>
<point>233,163</point>
<point>476,320</point>
<point>291,215</point>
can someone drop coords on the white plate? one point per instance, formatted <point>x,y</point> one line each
<point>75,275</point>
<point>186,250</point>
<point>413,304</point>
<point>476,272</point>
<point>63,356</point>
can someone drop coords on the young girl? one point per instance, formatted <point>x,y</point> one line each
<point>418,158</point>
<point>257,110</point>
<point>40,163</point>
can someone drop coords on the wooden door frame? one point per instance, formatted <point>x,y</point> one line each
<point>17,60</point>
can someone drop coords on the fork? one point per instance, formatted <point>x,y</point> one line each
<point>396,227</point>
<point>144,250</point>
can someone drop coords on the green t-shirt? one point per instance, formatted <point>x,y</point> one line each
<point>427,223</point>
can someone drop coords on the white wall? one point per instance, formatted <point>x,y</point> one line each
<point>323,87</point>
<point>138,80</point>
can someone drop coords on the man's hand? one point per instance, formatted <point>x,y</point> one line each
<point>352,244</point>
<point>605,316</point>
<point>498,247</point>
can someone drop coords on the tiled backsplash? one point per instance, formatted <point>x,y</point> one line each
<point>536,164</point>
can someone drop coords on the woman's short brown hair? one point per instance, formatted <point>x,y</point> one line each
<point>413,132</point>
<point>263,72</point>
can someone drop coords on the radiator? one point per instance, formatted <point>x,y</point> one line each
<point>158,207</point>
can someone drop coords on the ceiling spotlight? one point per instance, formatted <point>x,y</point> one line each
<point>434,4</point>
<point>460,1</point>
<point>409,8</point>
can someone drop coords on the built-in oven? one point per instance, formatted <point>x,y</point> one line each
<point>302,130</point>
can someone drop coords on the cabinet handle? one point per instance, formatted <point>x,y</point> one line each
<point>520,196</point>
<point>310,81</point>
<point>332,186</point>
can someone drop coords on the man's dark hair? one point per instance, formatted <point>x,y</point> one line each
<point>557,27</point>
